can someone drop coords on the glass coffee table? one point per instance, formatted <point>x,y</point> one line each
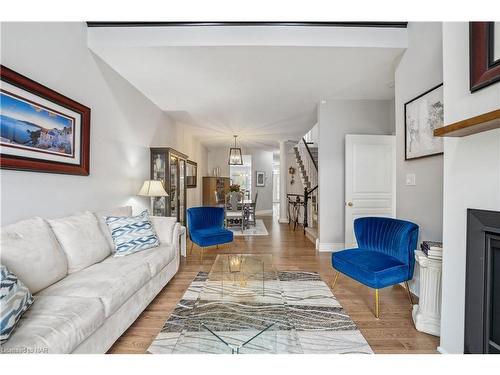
<point>240,308</point>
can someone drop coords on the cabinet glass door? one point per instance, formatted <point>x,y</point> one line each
<point>174,186</point>
<point>182,190</point>
<point>159,172</point>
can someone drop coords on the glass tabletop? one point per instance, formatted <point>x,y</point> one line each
<point>240,308</point>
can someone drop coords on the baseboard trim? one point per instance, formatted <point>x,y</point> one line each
<point>331,246</point>
<point>264,213</point>
<point>283,221</point>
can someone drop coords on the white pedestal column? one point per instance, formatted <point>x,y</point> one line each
<point>427,314</point>
<point>283,183</point>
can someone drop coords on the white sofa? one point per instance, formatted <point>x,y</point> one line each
<point>83,310</point>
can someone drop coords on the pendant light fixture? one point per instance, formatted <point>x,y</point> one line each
<point>235,157</point>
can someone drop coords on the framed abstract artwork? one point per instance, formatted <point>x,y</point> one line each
<point>260,179</point>
<point>423,114</point>
<point>484,54</point>
<point>41,130</point>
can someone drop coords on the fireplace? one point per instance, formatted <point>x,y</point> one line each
<point>482,285</point>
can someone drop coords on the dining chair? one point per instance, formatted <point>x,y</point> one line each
<point>251,210</point>
<point>234,212</point>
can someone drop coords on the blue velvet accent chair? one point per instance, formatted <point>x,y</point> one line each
<point>206,227</point>
<point>384,256</point>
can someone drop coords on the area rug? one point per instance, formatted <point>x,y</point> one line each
<point>306,318</point>
<point>259,229</point>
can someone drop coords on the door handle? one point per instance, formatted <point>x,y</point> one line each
<point>350,204</point>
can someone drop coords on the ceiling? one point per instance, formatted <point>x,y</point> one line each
<point>262,93</point>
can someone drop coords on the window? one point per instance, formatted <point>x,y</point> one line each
<point>242,175</point>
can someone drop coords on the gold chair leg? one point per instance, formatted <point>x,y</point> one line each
<point>408,292</point>
<point>335,279</point>
<point>376,304</point>
<point>191,250</point>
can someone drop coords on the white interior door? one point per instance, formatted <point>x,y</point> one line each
<point>370,179</point>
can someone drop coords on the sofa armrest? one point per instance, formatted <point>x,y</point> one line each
<point>167,229</point>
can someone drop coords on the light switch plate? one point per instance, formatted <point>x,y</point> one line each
<point>411,179</point>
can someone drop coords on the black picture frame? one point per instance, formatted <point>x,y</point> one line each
<point>406,105</point>
<point>191,178</point>
<point>260,178</point>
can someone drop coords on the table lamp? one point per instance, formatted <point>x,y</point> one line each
<point>152,189</point>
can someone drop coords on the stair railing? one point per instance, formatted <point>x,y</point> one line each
<point>311,177</point>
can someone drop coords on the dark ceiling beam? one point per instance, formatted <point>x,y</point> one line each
<point>245,23</point>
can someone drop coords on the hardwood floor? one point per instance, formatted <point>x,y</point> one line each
<point>392,333</point>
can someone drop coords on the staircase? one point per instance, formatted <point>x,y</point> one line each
<point>306,156</point>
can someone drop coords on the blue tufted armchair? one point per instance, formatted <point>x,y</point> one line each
<point>384,255</point>
<point>206,227</point>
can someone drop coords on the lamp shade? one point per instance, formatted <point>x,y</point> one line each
<point>235,157</point>
<point>152,188</point>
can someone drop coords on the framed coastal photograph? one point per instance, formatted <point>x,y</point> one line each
<point>40,129</point>
<point>423,114</point>
<point>260,179</point>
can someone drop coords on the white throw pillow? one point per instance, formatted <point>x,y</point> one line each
<point>101,218</point>
<point>132,234</point>
<point>81,239</point>
<point>30,250</point>
<point>164,228</point>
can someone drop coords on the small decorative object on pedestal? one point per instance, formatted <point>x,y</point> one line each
<point>152,189</point>
<point>427,314</point>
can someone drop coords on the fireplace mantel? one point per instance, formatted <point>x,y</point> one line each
<point>477,124</point>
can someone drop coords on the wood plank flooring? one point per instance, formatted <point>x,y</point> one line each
<point>394,332</point>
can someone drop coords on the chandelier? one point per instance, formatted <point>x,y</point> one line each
<point>235,157</point>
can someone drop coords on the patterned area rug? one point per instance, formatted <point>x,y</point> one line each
<point>259,229</point>
<point>298,314</point>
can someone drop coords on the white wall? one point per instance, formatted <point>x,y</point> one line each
<point>471,176</point>
<point>420,68</point>
<point>261,161</point>
<point>336,118</point>
<point>124,124</point>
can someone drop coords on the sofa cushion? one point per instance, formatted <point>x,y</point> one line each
<point>30,251</point>
<point>372,268</point>
<point>113,283</point>
<point>56,324</point>
<point>156,258</point>
<point>101,218</point>
<point>132,234</point>
<point>81,239</point>
<point>15,299</point>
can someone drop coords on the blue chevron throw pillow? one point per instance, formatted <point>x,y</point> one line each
<point>15,299</point>
<point>132,233</point>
